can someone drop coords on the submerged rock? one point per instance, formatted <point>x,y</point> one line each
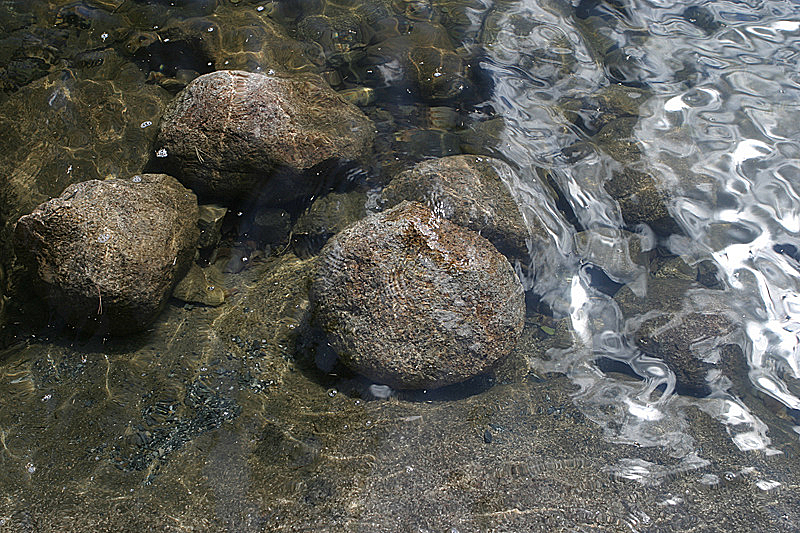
<point>108,253</point>
<point>689,344</point>
<point>201,286</point>
<point>412,300</point>
<point>471,191</point>
<point>229,131</point>
<point>326,217</point>
<point>685,325</point>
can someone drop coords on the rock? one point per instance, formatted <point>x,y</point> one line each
<point>412,300</point>
<point>640,200</point>
<point>617,139</point>
<point>201,286</point>
<point>110,252</point>
<point>617,252</point>
<point>593,111</point>
<point>663,294</point>
<point>689,344</point>
<point>210,224</point>
<point>470,191</point>
<point>228,131</point>
<point>270,226</point>
<point>230,38</point>
<point>326,217</point>
<point>60,130</point>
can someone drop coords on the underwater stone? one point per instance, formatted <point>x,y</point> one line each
<point>230,131</point>
<point>106,254</point>
<point>210,224</point>
<point>201,286</point>
<point>470,191</point>
<point>327,216</point>
<point>641,201</point>
<point>684,343</point>
<point>413,301</point>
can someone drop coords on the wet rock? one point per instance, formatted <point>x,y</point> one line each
<point>640,200</point>
<point>201,286</point>
<point>230,131</point>
<point>673,267</point>
<point>231,38</point>
<point>108,253</point>
<point>326,217</point>
<point>604,106</point>
<point>662,295</point>
<point>270,226</point>
<point>703,18</point>
<point>60,130</point>
<point>418,56</point>
<point>209,221</point>
<point>470,191</point>
<point>689,344</point>
<point>617,140</point>
<point>412,300</point>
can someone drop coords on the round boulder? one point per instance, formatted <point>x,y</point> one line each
<point>470,191</point>
<point>229,131</point>
<point>414,301</point>
<point>108,253</point>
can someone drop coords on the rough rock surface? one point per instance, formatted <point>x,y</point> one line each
<point>201,286</point>
<point>110,251</point>
<point>228,130</point>
<point>470,191</point>
<point>414,301</point>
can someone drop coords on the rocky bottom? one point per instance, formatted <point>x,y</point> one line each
<point>191,426</point>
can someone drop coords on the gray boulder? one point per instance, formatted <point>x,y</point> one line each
<point>414,301</point>
<point>229,131</point>
<point>469,191</point>
<point>107,254</point>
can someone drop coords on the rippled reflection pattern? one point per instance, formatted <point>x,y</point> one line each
<point>721,134</point>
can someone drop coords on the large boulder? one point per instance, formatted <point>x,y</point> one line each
<point>229,131</point>
<point>412,300</point>
<point>471,191</point>
<point>108,253</point>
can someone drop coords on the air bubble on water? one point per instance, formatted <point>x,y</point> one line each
<point>104,36</point>
<point>103,238</point>
<point>260,8</point>
<point>137,179</point>
<point>162,152</point>
<point>30,468</point>
<point>145,124</point>
<point>332,392</point>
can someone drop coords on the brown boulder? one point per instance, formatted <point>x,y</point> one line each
<point>414,301</point>
<point>470,191</point>
<point>229,131</point>
<point>108,253</point>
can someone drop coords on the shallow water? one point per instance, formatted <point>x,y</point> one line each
<point>217,418</point>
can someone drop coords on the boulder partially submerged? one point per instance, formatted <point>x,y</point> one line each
<point>414,301</point>
<point>470,191</point>
<point>229,131</point>
<point>108,253</point>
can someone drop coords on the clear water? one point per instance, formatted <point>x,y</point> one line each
<point>212,421</point>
